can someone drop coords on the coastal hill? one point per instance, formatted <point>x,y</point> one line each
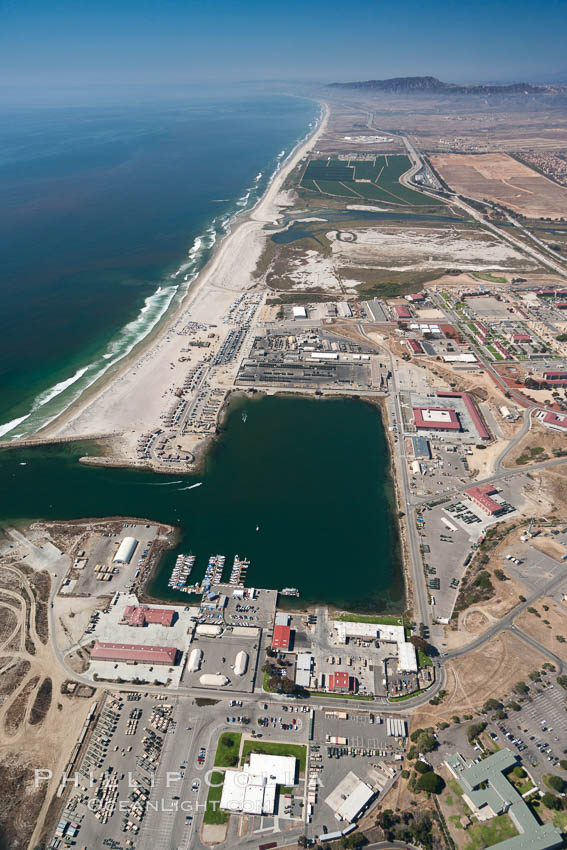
<point>431,85</point>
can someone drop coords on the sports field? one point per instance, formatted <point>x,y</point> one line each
<point>374,180</point>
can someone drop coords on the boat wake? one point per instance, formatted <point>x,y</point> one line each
<point>191,486</point>
<point>164,483</point>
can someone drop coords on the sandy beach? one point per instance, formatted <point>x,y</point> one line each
<point>130,401</point>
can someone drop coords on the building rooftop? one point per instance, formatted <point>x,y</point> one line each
<point>486,786</point>
<point>444,418</point>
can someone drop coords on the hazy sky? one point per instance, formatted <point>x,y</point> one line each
<point>88,42</point>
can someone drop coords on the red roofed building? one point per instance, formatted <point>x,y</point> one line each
<point>133,653</point>
<point>415,346</point>
<point>415,298</point>
<point>341,682</point>
<point>141,615</point>
<point>481,497</point>
<point>521,338</point>
<point>401,311</point>
<point>556,421</point>
<point>436,419</point>
<point>281,638</point>
<point>472,411</point>
<point>557,379</point>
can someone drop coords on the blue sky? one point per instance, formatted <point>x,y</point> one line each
<point>91,42</point>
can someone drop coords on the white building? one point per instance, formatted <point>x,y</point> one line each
<point>350,797</point>
<point>125,551</point>
<point>303,667</point>
<point>253,789</point>
<point>299,313</point>
<point>407,658</point>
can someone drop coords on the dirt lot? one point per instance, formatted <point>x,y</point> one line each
<point>547,625</point>
<point>498,177</point>
<point>478,618</point>
<point>38,725</point>
<point>489,672</point>
<point>539,444</point>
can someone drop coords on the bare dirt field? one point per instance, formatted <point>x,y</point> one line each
<point>545,625</point>
<point>498,177</point>
<point>423,248</point>
<point>38,724</point>
<point>489,672</point>
<point>538,445</point>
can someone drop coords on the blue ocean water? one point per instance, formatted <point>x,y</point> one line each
<point>106,215</point>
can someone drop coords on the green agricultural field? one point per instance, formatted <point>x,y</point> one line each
<point>330,187</point>
<point>299,751</point>
<point>376,180</point>
<point>228,749</point>
<point>213,814</point>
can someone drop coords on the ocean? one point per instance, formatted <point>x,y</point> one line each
<point>107,213</point>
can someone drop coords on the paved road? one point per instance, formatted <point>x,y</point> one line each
<point>507,623</point>
<point>422,611</point>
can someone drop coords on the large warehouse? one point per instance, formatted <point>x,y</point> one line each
<point>125,551</point>
<point>133,653</point>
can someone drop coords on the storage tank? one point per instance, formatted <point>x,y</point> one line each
<point>208,629</point>
<point>241,663</point>
<point>125,551</point>
<point>214,680</point>
<point>195,660</point>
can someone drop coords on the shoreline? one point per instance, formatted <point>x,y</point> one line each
<point>253,220</point>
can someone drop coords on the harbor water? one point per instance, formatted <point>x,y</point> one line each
<point>299,486</point>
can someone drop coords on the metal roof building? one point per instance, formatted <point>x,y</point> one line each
<point>303,669</point>
<point>282,637</point>
<point>133,653</point>
<point>241,663</point>
<point>125,551</point>
<point>350,797</point>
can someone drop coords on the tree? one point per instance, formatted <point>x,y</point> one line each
<point>419,643</point>
<point>491,705</point>
<point>431,782</point>
<point>474,730</point>
<point>550,801</point>
<point>520,688</point>
<point>422,767</point>
<point>556,782</point>
<point>353,842</point>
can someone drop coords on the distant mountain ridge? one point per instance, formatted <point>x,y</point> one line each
<point>431,85</point>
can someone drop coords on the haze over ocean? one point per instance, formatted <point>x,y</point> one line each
<point>100,206</point>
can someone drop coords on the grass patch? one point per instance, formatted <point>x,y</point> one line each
<point>214,815</point>
<point>340,696</point>
<point>404,697</point>
<point>483,835</point>
<point>423,659</point>
<point>272,748</point>
<point>228,749</point>
<point>363,618</point>
<point>488,276</point>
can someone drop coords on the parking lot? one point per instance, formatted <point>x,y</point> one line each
<point>356,741</point>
